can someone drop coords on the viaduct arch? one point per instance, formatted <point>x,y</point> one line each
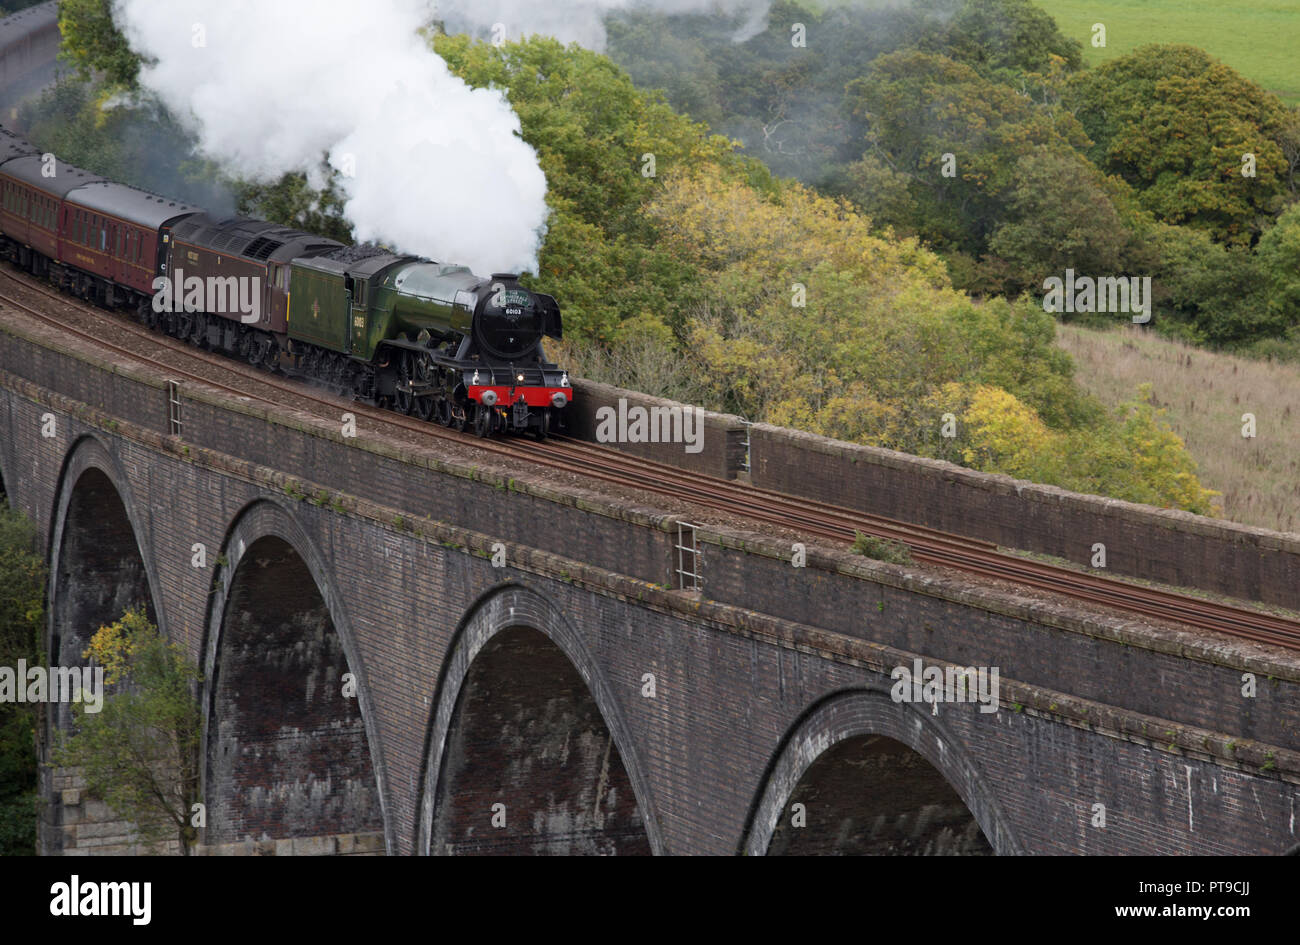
<point>875,776</point>
<point>528,751</point>
<point>288,752</point>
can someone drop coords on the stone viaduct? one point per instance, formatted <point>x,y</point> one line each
<point>530,677</point>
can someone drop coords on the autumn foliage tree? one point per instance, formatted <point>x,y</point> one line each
<point>140,752</point>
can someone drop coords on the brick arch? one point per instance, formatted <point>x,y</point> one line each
<point>841,719</point>
<point>502,623</point>
<point>89,464</point>
<point>100,562</point>
<point>336,738</point>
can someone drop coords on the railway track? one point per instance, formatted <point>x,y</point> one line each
<point>806,517</point>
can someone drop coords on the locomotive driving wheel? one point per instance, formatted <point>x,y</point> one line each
<point>402,395</point>
<point>422,373</point>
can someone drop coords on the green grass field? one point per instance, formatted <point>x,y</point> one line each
<point>1258,38</point>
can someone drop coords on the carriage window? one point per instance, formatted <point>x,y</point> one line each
<point>103,238</point>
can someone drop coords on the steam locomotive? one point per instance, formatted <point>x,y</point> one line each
<point>429,339</point>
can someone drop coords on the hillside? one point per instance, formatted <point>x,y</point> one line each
<point>1205,395</point>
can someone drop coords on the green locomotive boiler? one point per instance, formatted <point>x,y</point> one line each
<point>443,343</point>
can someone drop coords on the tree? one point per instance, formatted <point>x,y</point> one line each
<point>996,432</point>
<point>140,752</point>
<point>998,37</point>
<point>1163,471</point>
<point>22,616</point>
<point>1062,217</point>
<point>1278,255</point>
<point>957,137</point>
<point>1218,293</point>
<point>1177,124</point>
<point>596,135</point>
<point>92,42</point>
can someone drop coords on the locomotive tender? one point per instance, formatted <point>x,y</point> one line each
<point>432,340</point>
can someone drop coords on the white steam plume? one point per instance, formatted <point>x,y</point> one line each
<point>583,21</point>
<point>430,166</point>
